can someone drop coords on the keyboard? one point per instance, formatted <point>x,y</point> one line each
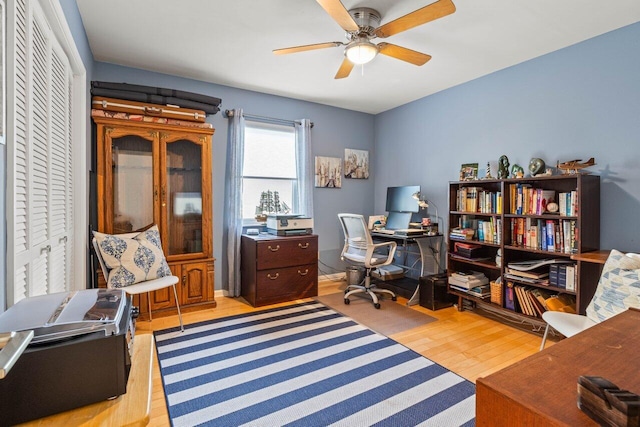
<point>385,231</point>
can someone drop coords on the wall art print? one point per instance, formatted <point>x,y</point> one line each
<point>356,164</point>
<point>328,172</point>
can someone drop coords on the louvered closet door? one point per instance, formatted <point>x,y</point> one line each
<point>42,166</point>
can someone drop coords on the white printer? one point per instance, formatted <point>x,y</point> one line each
<point>289,225</point>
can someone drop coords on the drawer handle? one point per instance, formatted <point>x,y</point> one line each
<point>305,246</point>
<point>306,271</point>
<point>274,249</point>
<point>273,277</point>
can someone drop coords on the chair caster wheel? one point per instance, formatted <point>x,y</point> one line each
<point>377,305</point>
<point>346,301</point>
<point>394,298</point>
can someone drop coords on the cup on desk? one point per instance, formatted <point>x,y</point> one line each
<point>426,222</point>
<point>431,229</point>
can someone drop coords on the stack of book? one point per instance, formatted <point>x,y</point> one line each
<point>535,272</point>
<point>466,280</point>
<point>461,233</point>
<point>470,251</point>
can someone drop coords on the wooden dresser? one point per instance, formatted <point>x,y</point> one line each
<point>277,269</point>
<point>541,390</point>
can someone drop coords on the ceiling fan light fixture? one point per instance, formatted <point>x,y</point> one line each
<point>361,51</point>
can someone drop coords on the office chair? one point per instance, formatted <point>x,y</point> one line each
<point>141,287</point>
<point>618,289</point>
<point>360,249</point>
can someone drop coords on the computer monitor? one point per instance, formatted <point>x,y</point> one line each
<point>400,199</point>
<point>398,220</point>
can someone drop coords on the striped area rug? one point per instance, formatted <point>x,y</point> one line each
<point>303,365</point>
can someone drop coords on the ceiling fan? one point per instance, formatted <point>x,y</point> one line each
<point>362,25</point>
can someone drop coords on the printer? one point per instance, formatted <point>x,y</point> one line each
<point>80,352</point>
<point>289,225</point>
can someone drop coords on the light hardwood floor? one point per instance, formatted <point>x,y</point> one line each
<point>466,343</point>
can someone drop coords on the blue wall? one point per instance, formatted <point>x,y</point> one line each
<point>579,102</point>
<point>334,130</point>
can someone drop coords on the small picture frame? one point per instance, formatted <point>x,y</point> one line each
<point>328,172</point>
<point>469,172</point>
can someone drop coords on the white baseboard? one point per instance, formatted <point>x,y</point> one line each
<point>335,277</point>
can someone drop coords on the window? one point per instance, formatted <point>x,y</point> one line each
<point>269,165</point>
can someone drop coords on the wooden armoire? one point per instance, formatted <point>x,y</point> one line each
<point>154,171</point>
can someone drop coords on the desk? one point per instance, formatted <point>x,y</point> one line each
<point>542,389</point>
<point>429,250</point>
<point>130,409</point>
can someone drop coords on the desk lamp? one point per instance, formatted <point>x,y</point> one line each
<point>423,203</point>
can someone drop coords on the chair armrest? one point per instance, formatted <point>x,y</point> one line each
<point>372,248</point>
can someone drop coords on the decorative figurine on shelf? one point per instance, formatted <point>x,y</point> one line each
<point>487,175</point>
<point>574,166</point>
<point>503,167</point>
<point>517,171</point>
<point>536,166</point>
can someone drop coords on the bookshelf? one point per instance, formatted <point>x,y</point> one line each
<point>509,222</point>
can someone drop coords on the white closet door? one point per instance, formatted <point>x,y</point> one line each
<point>42,160</point>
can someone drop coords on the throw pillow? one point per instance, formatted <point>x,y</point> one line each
<point>132,260</point>
<point>618,287</point>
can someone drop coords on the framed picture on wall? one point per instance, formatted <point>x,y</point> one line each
<point>469,172</point>
<point>328,172</point>
<point>356,164</point>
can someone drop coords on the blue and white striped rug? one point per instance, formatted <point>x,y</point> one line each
<point>303,365</point>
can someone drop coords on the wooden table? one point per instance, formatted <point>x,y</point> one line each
<point>594,257</point>
<point>130,409</point>
<point>541,390</point>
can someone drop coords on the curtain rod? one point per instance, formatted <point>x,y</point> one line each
<point>231,113</point>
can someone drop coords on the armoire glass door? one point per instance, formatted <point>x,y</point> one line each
<point>183,195</point>
<point>132,182</point>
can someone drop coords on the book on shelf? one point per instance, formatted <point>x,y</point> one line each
<point>571,277</point>
<point>532,264</point>
<point>539,273</point>
<point>522,279</point>
<point>472,259</point>
<point>561,302</point>
<point>467,283</point>
<point>482,291</point>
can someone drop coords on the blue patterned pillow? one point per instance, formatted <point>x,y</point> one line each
<point>618,287</point>
<point>132,260</point>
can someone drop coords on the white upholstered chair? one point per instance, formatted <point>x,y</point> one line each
<point>359,249</point>
<point>141,287</point>
<point>618,289</point>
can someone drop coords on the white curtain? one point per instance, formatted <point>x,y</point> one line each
<point>303,199</point>
<point>233,208</point>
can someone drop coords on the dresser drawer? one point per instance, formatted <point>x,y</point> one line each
<point>286,284</point>
<point>286,252</point>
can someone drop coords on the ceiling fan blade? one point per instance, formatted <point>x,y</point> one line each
<point>403,54</point>
<point>336,10</point>
<point>345,69</point>
<point>303,48</point>
<point>421,16</point>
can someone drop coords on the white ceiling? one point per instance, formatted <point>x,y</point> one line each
<point>231,42</point>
